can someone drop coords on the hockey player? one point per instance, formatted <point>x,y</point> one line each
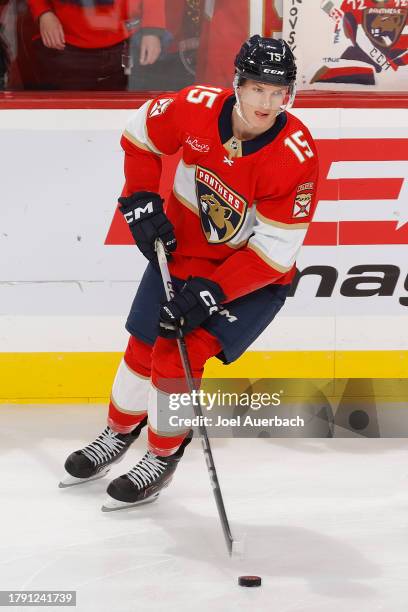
<point>243,197</point>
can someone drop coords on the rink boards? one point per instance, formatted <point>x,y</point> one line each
<point>68,274</point>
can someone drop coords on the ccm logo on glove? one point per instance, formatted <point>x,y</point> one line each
<point>198,299</point>
<point>209,300</point>
<point>143,211</point>
<point>134,215</point>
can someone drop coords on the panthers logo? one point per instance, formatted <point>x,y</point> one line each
<point>218,218</point>
<point>383,29</point>
<point>222,211</point>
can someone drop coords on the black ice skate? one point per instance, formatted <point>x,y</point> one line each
<point>143,483</point>
<point>95,460</point>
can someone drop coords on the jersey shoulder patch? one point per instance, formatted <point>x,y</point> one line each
<point>159,107</point>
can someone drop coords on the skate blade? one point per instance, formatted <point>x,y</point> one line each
<point>72,481</point>
<point>111,505</point>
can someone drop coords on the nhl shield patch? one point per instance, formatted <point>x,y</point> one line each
<point>222,210</point>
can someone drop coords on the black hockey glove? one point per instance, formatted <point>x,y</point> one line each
<point>198,299</point>
<point>143,211</point>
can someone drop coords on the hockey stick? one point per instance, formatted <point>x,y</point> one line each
<point>232,545</point>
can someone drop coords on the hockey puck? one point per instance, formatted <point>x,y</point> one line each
<point>249,581</point>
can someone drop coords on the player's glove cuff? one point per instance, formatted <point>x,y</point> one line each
<point>143,211</point>
<point>140,205</point>
<point>198,299</point>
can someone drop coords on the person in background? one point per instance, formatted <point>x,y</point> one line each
<point>224,23</point>
<point>177,63</point>
<point>83,45</point>
<point>4,51</point>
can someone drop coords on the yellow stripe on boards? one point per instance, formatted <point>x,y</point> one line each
<point>371,364</point>
<point>57,375</point>
<point>277,364</point>
<point>88,377</point>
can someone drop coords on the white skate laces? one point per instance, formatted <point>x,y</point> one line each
<point>105,447</point>
<point>149,467</point>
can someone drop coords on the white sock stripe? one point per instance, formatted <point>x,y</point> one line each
<point>130,391</point>
<point>159,412</point>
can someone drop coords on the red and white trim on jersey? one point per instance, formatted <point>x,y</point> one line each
<point>136,130</point>
<point>184,186</point>
<point>277,243</point>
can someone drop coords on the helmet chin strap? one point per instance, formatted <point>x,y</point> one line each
<point>292,96</point>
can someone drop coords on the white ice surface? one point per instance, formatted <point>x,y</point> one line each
<point>326,523</point>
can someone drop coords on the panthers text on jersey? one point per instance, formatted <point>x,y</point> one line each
<point>241,209</point>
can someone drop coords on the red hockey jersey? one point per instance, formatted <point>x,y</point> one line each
<point>240,209</point>
<point>102,23</point>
